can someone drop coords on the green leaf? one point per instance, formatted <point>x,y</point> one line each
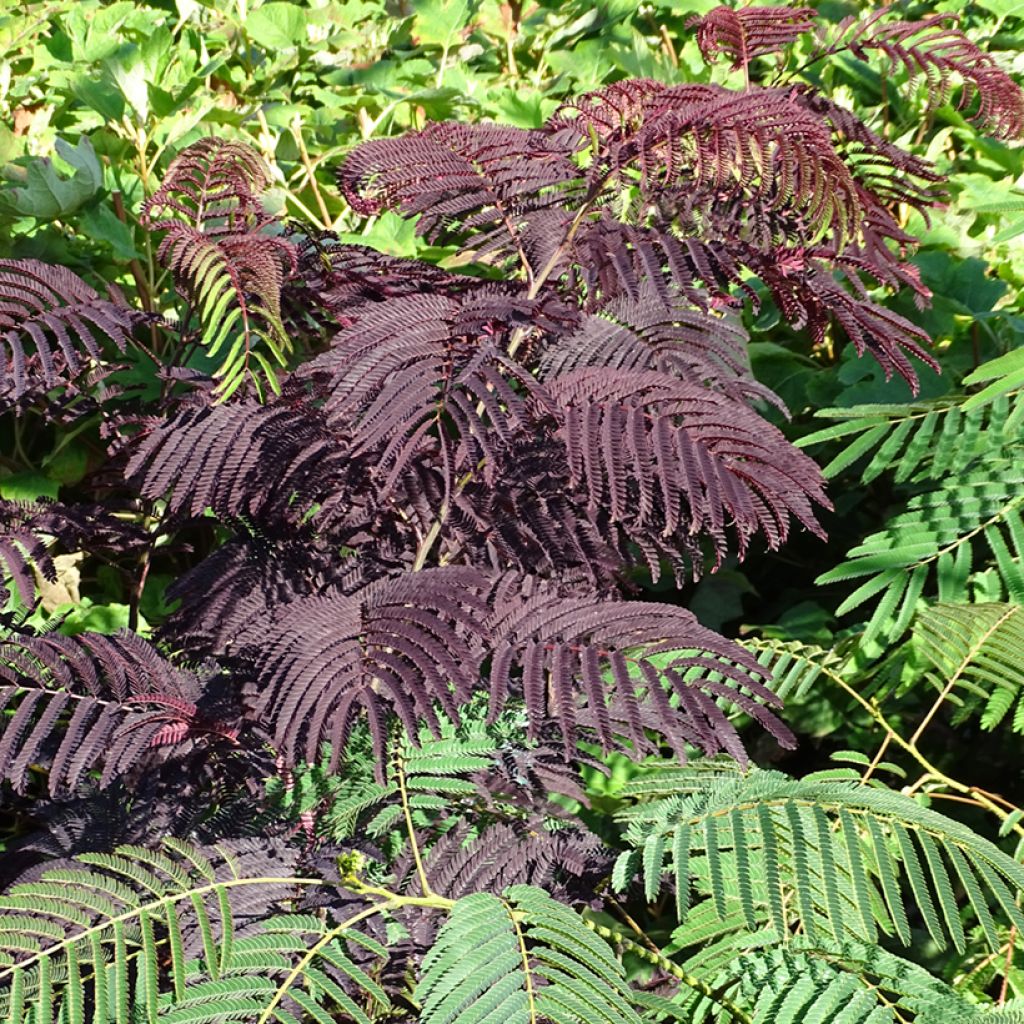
<point>439,22</point>
<point>47,195</point>
<point>277,26</point>
<point>101,224</point>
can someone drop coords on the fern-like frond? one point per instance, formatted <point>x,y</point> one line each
<point>749,32</point>
<point>794,667</point>
<point>52,328</point>
<point>424,371</point>
<point>234,285</point>
<point>848,982</point>
<point>521,957</point>
<point>917,441</point>
<point>886,173</point>
<point>247,579</point>
<point>180,934</point>
<point>666,456</point>
<point>407,645</point>
<point>973,653</point>
<point>214,186</point>
<point>396,646</point>
<point>269,462</point>
<point>478,183</point>
<point>229,269</point>
<point>32,532</point>
<point>810,296</point>
<point>757,978</point>
<point>74,705</point>
<point>835,858</point>
<point>22,549</point>
<point>1002,375</point>
<point>936,538</point>
<point>935,49</point>
<point>759,145</point>
<point>618,668</point>
<point>653,332</point>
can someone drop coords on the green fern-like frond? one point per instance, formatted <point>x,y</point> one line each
<point>795,667</point>
<point>920,440</point>
<point>735,975</point>
<point>297,968</point>
<point>523,958</point>
<point>167,934</point>
<point>1001,376</point>
<point>852,983</point>
<point>435,772</point>
<point>834,858</point>
<point>941,536</point>
<point>973,653</point>
<point>234,285</point>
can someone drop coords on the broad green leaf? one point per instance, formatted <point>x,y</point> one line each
<point>277,26</point>
<point>48,195</point>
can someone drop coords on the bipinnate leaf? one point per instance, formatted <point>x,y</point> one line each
<point>52,330</point>
<point>229,267</point>
<point>521,957</point>
<point>849,854</point>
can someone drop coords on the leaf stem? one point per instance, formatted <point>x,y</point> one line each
<point>671,967</point>
<point>410,829</point>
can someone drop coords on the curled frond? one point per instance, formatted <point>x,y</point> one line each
<point>213,186</point>
<point>935,49</point>
<point>478,182</point>
<point>887,173</point>
<point>233,282</point>
<point>810,297</point>
<point>748,32</point>
<point>229,269</point>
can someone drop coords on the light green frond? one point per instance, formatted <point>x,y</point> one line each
<point>935,543</point>
<point>919,441</point>
<point>1001,375</point>
<point>822,983</point>
<point>795,667</point>
<point>758,981</point>
<point>234,287</point>
<point>830,859</point>
<point>973,652</point>
<point>157,931</point>
<point>524,959</point>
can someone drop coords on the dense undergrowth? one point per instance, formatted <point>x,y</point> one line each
<point>511,512</point>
